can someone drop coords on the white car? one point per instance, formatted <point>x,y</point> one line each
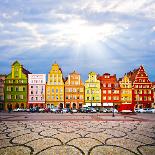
<point>18,110</point>
<point>74,111</point>
<point>41,110</point>
<point>65,110</point>
<point>139,110</point>
<point>150,110</point>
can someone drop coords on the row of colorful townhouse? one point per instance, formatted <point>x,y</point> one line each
<point>21,89</point>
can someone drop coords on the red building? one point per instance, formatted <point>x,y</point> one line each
<point>153,94</point>
<point>142,89</point>
<point>110,90</point>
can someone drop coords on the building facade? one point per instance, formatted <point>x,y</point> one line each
<point>36,90</point>
<point>2,80</point>
<point>16,87</point>
<point>110,90</point>
<point>153,106</point>
<point>55,87</point>
<point>142,89</point>
<point>74,91</point>
<point>126,90</point>
<point>92,91</point>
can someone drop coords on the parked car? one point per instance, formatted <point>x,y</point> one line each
<point>151,110</point>
<point>147,110</point>
<point>83,110</point>
<point>138,110</point>
<point>19,110</point>
<point>93,110</point>
<point>74,111</point>
<point>103,110</point>
<point>56,110</point>
<point>65,110</point>
<point>109,110</point>
<point>41,110</point>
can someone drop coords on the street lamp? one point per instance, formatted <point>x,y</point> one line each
<point>113,89</point>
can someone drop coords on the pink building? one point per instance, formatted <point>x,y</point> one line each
<point>36,90</point>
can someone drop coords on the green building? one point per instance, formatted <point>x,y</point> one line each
<point>15,88</point>
<point>92,91</point>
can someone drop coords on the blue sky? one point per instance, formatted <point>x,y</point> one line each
<point>112,36</point>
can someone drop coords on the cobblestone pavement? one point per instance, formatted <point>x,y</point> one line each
<point>76,134</point>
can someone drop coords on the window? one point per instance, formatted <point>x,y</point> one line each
<point>87,91</point>
<point>66,97</point>
<point>104,91</point>
<point>81,89</point>
<point>31,98</point>
<point>87,98</point>
<point>21,97</point>
<point>24,89</point>
<point>104,97</point>
<point>109,85</point>
<point>57,97</point>
<point>109,91</point>
<point>31,92</point>
<point>145,98</point>
<point>31,86</point>
<point>56,90</point>
<point>16,88</point>
<point>109,97</point>
<point>61,97</point>
<point>52,90</point>
<point>9,96</point>
<point>81,97</point>
<point>36,98</point>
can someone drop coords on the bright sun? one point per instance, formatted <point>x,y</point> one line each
<point>80,32</point>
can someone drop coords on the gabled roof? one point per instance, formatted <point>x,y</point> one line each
<point>16,62</point>
<point>132,74</point>
<point>74,72</point>
<point>25,71</point>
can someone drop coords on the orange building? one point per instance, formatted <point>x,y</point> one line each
<point>74,91</point>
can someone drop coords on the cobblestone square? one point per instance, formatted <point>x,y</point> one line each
<point>67,134</point>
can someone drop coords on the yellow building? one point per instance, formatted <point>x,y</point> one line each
<point>126,89</point>
<point>55,88</point>
<point>92,91</point>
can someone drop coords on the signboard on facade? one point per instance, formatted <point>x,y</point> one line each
<point>107,104</point>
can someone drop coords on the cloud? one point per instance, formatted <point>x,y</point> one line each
<point>96,34</point>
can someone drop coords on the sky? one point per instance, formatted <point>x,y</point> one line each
<point>113,36</point>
